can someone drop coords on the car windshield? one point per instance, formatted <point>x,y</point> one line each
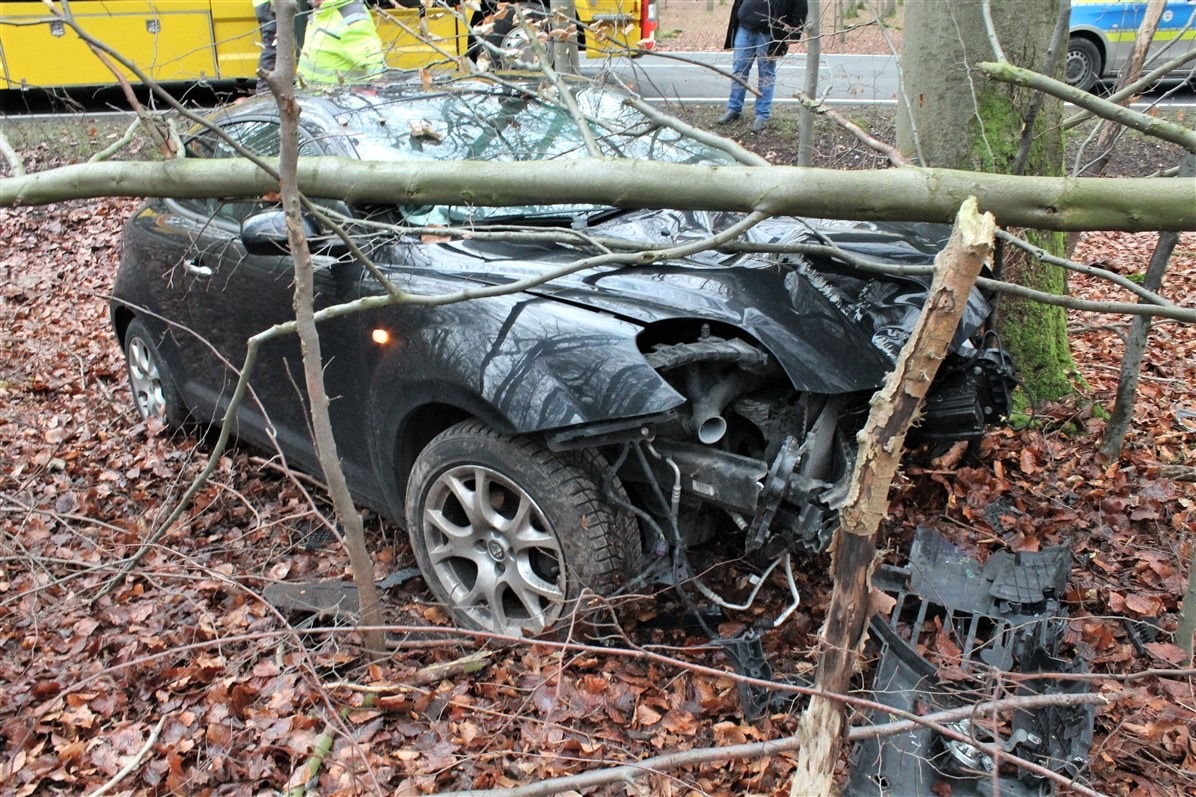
<point>493,124</point>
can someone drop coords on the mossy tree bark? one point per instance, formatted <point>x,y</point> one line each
<point>954,117</point>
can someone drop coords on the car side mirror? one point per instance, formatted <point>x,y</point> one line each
<point>265,234</point>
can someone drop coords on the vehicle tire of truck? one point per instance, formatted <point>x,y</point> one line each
<point>509,534</point>
<point>509,36</point>
<point>1084,64</point>
<point>155,393</point>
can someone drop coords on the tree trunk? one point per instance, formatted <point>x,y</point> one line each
<point>564,46</point>
<point>881,442</point>
<point>807,117</point>
<point>951,116</point>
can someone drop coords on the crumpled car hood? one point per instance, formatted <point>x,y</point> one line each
<point>833,329</point>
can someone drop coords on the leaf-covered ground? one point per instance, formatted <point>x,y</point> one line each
<point>186,653</point>
<point>188,648</point>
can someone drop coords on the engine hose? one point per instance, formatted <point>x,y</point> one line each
<point>680,558</point>
<point>660,545</point>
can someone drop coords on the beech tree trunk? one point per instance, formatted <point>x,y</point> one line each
<point>564,47</point>
<point>881,442</point>
<point>952,116</point>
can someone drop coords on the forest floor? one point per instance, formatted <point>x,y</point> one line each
<point>186,651</point>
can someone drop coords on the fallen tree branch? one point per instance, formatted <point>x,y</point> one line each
<point>1143,123</point>
<point>906,194</point>
<point>1179,473</point>
<point>893,154</point>
<point>774,747</point>
<point>1138,86</point>
<point>16,163</point>
<point>881,443</point>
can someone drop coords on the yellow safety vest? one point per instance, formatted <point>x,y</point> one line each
<point>341,46</point>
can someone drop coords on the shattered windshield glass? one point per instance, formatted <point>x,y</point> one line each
<point>490,123</point>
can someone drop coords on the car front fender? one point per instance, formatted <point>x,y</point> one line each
<point>520,364</point>
<point>533,364</point>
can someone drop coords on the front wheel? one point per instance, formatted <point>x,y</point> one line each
<point>1084,64</point>
<point>508,533</point>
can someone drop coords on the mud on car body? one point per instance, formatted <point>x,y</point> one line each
<point>559,438</point>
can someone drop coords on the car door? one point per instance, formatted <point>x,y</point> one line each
<point>233,295</point>
<point>1122,20</point>
<point>1176,33</point>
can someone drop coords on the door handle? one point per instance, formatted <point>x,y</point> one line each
<point>194,267</point>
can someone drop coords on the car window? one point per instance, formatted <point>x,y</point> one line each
<point>259,136</point>
<point>509,126</point>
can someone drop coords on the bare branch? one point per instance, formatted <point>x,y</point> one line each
<point>889,151</point>
<point>566,96</point>
<point>1103,273</point>
<point>1144,82</point>
<point>107,58</point>
<point>1151,126</point>
<point>134,762</point>
<point>731,147</point>
<point>990,28</point>
<point>775,747</point>
<point>119,144</point>
<point>16,163</point>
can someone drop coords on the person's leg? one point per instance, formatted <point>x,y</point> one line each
<point>766,73</point>
<point>766,69</point>
<point>741,67</point>
<point>268,30</point>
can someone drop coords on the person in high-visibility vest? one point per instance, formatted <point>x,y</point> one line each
<point>342,44</point>
<point>268,29</point>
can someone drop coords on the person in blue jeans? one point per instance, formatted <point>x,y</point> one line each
<point>759,32</point>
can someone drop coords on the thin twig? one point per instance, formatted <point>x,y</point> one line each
<point>134,762</point>
<point>890,152</point>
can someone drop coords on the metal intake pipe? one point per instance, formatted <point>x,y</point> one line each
<point>709,401</point>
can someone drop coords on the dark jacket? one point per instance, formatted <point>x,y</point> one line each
<point>787,18</point>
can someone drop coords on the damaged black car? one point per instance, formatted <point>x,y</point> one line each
<point>565,436</point>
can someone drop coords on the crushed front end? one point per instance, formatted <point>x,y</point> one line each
<point>956,630</point>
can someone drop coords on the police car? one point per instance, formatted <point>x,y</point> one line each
<point>1103,34</point>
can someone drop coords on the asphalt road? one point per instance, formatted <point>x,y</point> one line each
<point>842,79</point>
<point>686,77</point>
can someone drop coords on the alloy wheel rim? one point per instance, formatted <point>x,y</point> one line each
<point>493,551</point>
<point>145,379</point>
